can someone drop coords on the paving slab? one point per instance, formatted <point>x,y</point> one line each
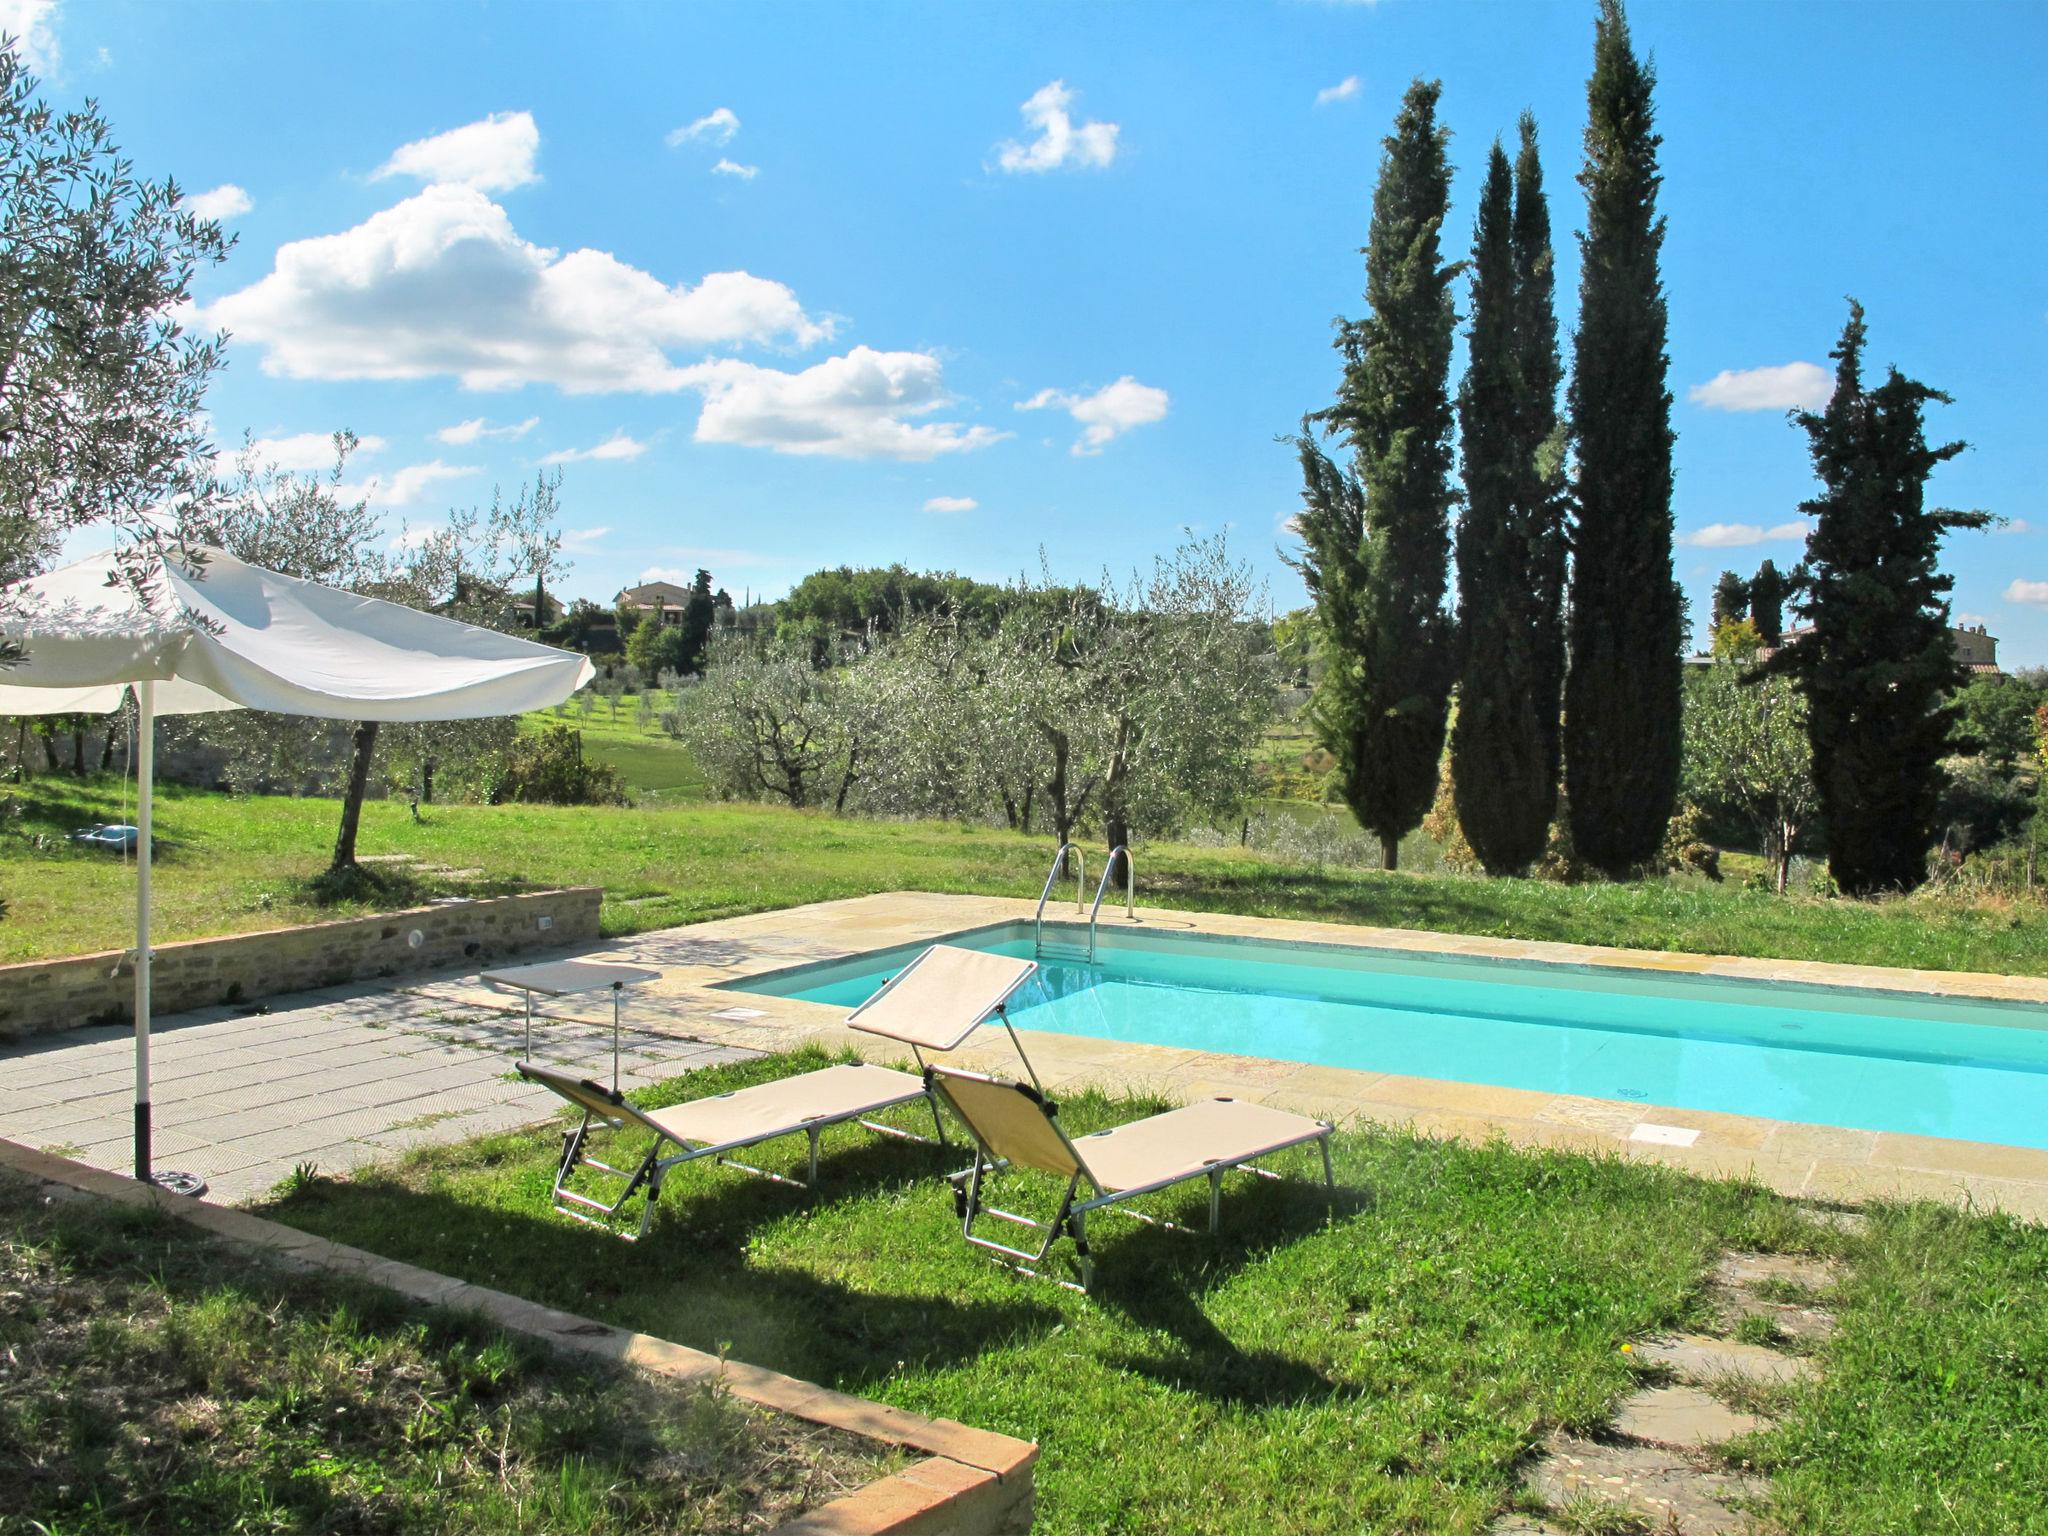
<point>1704,1361</point>
<point>1662,1487</point>
<point>1683,1417</point>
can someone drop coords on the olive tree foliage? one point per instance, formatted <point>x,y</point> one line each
<point>101,388</point>
<point>1746,754</point>
<point>1131,709</point>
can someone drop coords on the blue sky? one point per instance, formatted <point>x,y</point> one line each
<point>998,278</point>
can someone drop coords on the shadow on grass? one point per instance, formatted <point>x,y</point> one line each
<point>693,1278</point>
<point>1158,1279</point>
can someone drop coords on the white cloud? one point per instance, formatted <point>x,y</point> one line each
<point>1343,90</point>
<point>582,540</point>
<point>699,558</point>
<point>859,406</point>
<point>1059,141</point>
<point>1741,535</point>
<point>494,155</point>
<point>223,202</point>
<point>2027,592</point>
<point>2012,525</point>
<point>617,446</point>
<point>951,504</point>
<point>1781,388</point>
<point>1107,414</point>
<point>718,126</point>
<point>442,284</point>
<point>476,428</point>
<point>1971,618</point>
<point>33,25</point>
<point>734,168</point>
<point>404,486</point>
<point>301,451</point>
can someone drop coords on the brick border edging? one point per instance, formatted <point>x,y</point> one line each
<point>971,1482</point>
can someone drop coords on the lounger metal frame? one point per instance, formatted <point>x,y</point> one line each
<point>607,1108</point>
<point>1072,1217</point>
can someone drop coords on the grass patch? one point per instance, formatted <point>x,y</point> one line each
<point>151,1380</point>
<point>1383,1364</point>
<point>231,864</point>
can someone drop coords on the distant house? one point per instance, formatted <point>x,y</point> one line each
<point>1976,649</point>
<point>522,610</point>
<point>661,601</point>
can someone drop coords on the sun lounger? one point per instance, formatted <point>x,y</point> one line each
<point>719,1126</point>
<point>943,996</point>
<point>1014,1125</point>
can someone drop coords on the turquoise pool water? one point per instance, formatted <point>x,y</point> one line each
<point>1835,1056</point>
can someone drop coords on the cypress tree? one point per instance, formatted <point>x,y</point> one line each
<point>1504,746</point>
<point>1378,536</point>
<point>1878,663</point>
<point>1622,723</point>
<point>1731,598</point>
<point>1767,593</point>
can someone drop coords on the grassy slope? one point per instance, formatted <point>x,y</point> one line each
<point>153,1381</point>
<point>656,767</point>
<point>1384,1368</point>
<point>231,865</point>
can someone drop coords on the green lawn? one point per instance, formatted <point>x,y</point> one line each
<point>232,864</point>
<point>657,768</point>
<point>1385,1364</point>
<point>151,1380</point>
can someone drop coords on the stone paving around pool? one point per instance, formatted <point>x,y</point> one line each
<point>337,1078</point>
<point>346,1076</point>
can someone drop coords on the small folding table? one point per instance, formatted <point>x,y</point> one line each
<point>566,978</point>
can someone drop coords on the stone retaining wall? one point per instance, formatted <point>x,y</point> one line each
<point>46,995</point>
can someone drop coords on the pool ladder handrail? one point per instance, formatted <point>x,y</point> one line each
<point>1059,861</point>
<point>1101,890</point>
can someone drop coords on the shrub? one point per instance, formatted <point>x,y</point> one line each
<point>548,768</point>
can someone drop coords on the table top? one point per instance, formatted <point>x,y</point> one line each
<point>560,978</point>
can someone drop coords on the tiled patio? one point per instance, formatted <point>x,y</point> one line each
<point>340,1078</point>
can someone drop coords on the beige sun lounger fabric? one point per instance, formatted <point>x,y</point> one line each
<point>1016,1126</point>
<point>717,1127</point>
<point>778,1108</point>
<point>942,997</point>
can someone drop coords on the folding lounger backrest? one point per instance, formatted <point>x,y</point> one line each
<point>1012,1121</point>
<point>587,1096</point>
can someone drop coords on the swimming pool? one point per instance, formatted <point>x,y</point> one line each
<point>1933,1066</point>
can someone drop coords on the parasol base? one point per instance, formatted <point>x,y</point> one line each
<point>179,1183</point>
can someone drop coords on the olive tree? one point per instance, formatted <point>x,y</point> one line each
<point>101,387</point>
<point>1746,753</point>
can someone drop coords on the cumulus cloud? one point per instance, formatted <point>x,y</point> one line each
<point>303,451</point>
<point>2012,525</point>
<point>951,504</point>
<point>1741,535</point>
<point>734,168</point>
<point>404,486</point>
<point>2027,592</point>
<point>442,284</point>
<point>477,428</point>
<point>718,126</point>
<point>494,155</point>
<point>1781,388</point>
<point>1343,90</point>
<point>863,405</point>
<point>1105,415</point>
<point>617,446</point>
<point>33,25</point>
<point>223,202</point>
<point>1059,142</point>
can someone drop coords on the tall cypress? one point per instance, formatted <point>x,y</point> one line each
<point>1767,592</point>
<point>1378,536</point>
<point>1731,598</point>
<point>1504,746</point>
<point>1878,663</point>
<point>1622,736</point>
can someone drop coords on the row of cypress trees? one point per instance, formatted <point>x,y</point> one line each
<point>1376,535</point>
<point>1590,682</point>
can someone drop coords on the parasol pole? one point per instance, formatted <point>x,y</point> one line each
<point>145,786</point>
